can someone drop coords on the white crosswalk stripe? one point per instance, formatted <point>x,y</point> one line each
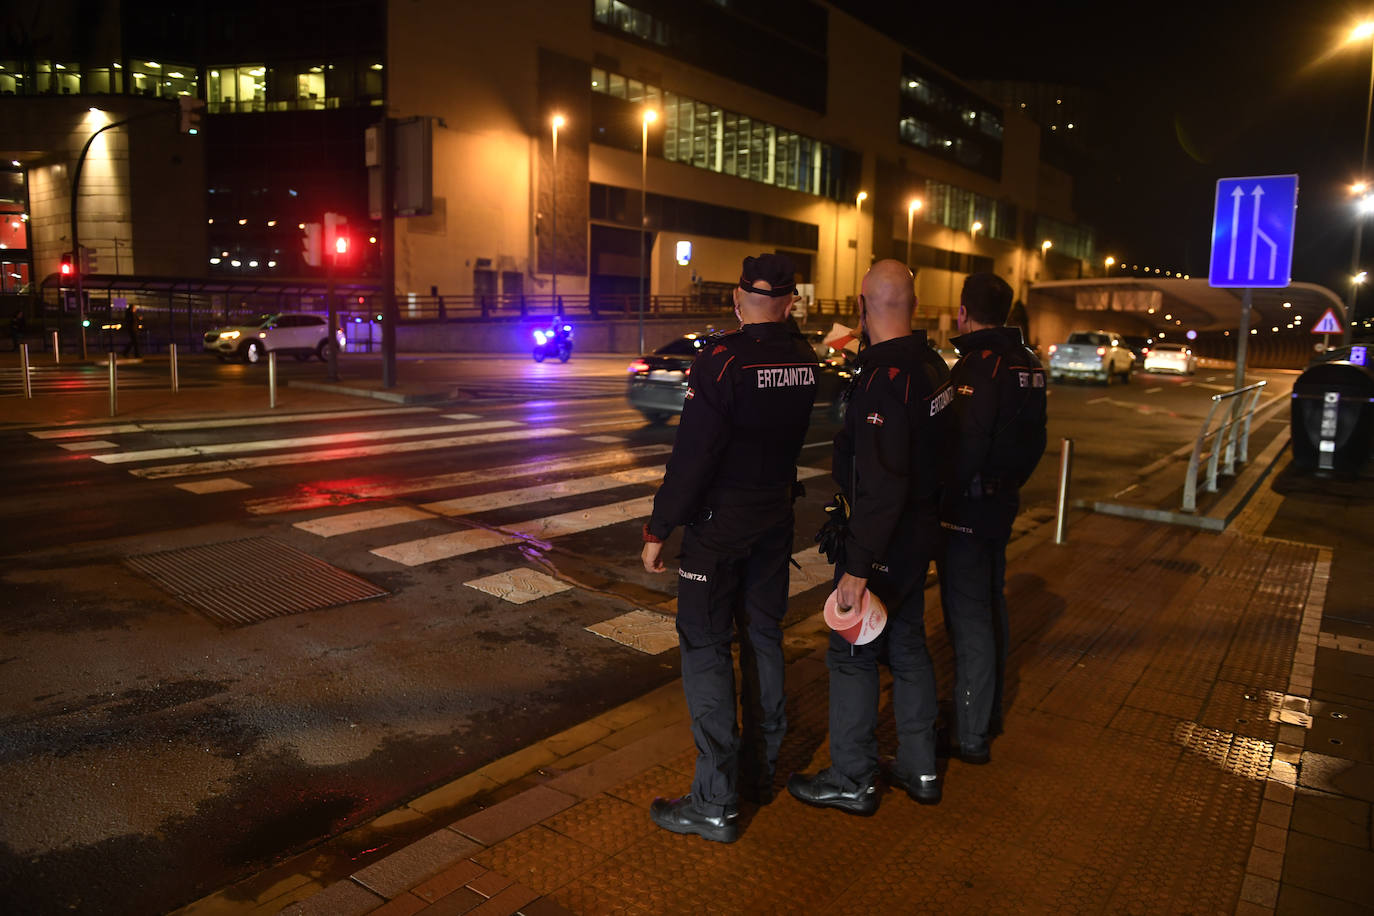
<point>339,454</point>
<point>536,530</point>
<point>78,432</point>
<point>267,445</point>
<point>354,522</point>
<point>318,498</point>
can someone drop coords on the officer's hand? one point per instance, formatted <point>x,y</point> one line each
<point>850,589</point>
<point>651,557</point>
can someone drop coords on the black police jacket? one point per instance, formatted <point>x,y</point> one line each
<point>748,403</point>
<point>1000,417</point>
<point>887,458</point>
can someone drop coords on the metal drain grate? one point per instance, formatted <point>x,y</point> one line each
<point>254,579</point>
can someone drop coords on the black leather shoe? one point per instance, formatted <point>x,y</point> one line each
<point>977,755</point>
<point>923,791</point>
<point>820,791</point>
<point>680,815</point>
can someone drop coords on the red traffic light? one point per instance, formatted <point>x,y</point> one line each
<point>66,269</point>
<point>341,245</point>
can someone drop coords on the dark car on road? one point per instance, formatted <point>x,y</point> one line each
<point>658,380</point>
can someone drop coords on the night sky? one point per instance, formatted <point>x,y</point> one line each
<point>1193,93</point>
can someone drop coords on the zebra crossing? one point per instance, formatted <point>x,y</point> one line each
<point>418,521</point>
<point>81,378</point>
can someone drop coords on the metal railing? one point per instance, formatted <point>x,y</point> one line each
<point>1232,436</point>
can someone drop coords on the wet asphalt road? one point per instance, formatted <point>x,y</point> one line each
<point>151,755</point>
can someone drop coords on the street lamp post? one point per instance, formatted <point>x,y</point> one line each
<point>1045,247</point>
<point>1107,265</point>
<point>911,209</point>
<point>1361,32</point>
<point>553,242</point>
<point>858,204</point>
<point>649,116</point>
<point>974,229</point>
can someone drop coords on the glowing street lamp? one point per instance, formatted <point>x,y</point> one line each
<point>1361,32</point>
<point>648,118</point>
<point>911,208</point>
<point>1107,264</point>
<point>553,242</point>
<point>858,205</point>
<point>975,228</point>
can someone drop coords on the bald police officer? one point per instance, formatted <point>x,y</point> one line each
<point>731,481</point>
<point>888,459</point>
<point>1000,416</point>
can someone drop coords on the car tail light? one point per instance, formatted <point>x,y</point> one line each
<point>638,366</point>
<point>1053,347</point>
<point>1101,351</point>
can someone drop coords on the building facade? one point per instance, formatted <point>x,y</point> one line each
<point>787,126</point>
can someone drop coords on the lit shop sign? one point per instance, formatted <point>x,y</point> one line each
<point>684,253</point>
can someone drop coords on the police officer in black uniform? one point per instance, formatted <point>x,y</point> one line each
<point>888,460</point>
<point>1000,416</point>
<point>731,481</point>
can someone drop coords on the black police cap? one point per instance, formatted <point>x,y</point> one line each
<point>775,269</point>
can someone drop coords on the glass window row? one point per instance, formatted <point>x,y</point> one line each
<point>703,135</point>
<point>959,208</point>
<point>1074,241</point>
<point>237,87</point>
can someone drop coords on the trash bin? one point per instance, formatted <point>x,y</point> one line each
<point>1333,418</point>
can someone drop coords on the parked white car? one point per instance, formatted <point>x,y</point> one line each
<point>1170,357</point>
<point>296,333</point>
<point>1097,355</point>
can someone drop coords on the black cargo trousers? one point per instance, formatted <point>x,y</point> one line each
<point>732,578</point>
<point>899,581</point>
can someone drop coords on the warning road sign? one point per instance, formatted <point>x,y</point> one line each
<point>1328,324</point>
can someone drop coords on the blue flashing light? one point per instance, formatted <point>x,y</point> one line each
<point>539,337</point>
<point>1359,354</point>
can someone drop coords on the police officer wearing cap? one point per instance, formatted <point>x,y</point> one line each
<point>731,481</point>
<point>887,458</point>
<point>1000,417</point>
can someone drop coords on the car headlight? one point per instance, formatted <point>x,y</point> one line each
<point>228,335</point>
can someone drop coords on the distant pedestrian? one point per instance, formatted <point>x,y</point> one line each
<point>731,481</point>
<point>18,325</point>
<point>888,460</point>
<point>1000,417</point>
<point>131,317</point>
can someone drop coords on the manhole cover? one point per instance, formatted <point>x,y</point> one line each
<point>245,581</point>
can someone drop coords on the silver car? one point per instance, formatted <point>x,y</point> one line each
<point>297,333</point>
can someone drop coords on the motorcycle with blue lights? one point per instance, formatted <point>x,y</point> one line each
<point>554,341</point>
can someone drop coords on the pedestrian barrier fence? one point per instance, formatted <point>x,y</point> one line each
<point>1231,436</point>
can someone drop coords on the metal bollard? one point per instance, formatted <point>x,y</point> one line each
<point>172,351</point>
<point>114,384</point>
<point>1065,463</point>
<point>56,351</point>
<point>24,368</point>
<point>272,378</point>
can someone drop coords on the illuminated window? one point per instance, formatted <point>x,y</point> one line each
<point>959,208</point>
<point>707,137</point>
<point>237,88</point>
<point>57,78</point>
<point>161,79</point>
<point>12,80</point>
<point>104,80</point>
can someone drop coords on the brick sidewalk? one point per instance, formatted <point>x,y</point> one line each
<point>1158,689</point>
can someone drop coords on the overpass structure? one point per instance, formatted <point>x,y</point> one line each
<point>1144,307</point>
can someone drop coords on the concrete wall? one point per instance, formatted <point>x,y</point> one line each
<point>142,194</point>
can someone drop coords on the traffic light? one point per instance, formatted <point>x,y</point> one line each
<point>90,260</point>
<point>66,269</point>
<point>312,249</point>
<point>336,236</point>
<point>191,110</point>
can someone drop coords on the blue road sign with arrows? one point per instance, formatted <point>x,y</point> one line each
<point>1252,231</point>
